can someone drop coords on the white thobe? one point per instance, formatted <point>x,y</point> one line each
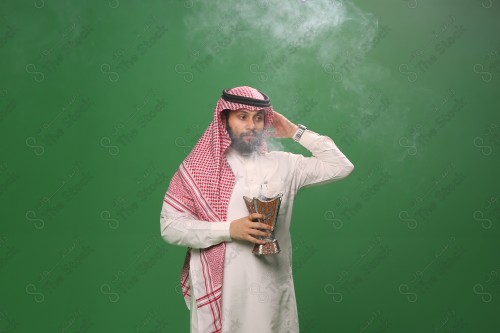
<point>257,291</point>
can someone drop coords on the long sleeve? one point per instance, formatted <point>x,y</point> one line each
<point>180,228</point>
<point>327,164</point>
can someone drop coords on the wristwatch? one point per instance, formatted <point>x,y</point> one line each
<point>299,132</point>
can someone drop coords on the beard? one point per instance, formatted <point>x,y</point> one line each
<point>242,145</point>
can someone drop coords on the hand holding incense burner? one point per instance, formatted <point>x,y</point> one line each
<point>269,207</point>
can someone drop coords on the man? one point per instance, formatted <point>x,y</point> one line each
<point>226,286</point>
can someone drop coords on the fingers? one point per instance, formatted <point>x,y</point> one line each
<point>255,240</point>
<point>255,216</point>
<point>258,229</point>
<point>257,232</point>
<point>254,236</point>
<point>260,225</point>
<point>245,229</point>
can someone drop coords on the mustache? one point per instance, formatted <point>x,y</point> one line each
<point>251,133</point>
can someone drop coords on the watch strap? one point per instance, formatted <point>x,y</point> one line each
<point>299,132</point>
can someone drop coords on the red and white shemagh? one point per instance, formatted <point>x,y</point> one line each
<point>202,186</point>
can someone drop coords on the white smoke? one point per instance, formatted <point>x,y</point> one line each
<point>282,44</point>
<point>328,27</point>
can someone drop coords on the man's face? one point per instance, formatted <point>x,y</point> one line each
<point>245,128</point>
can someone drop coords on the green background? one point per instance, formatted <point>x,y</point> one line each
<point>100,101</point>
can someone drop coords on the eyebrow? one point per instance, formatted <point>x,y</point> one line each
<point>260,112</point>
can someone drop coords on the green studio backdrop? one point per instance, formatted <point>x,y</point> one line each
<point>100,101</point>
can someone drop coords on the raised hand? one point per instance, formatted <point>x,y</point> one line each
<point>283,128</point>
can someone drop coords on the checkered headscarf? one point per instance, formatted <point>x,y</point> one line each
<point>202,186</point>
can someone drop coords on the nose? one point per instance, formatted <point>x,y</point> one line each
<point>251,124</point>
